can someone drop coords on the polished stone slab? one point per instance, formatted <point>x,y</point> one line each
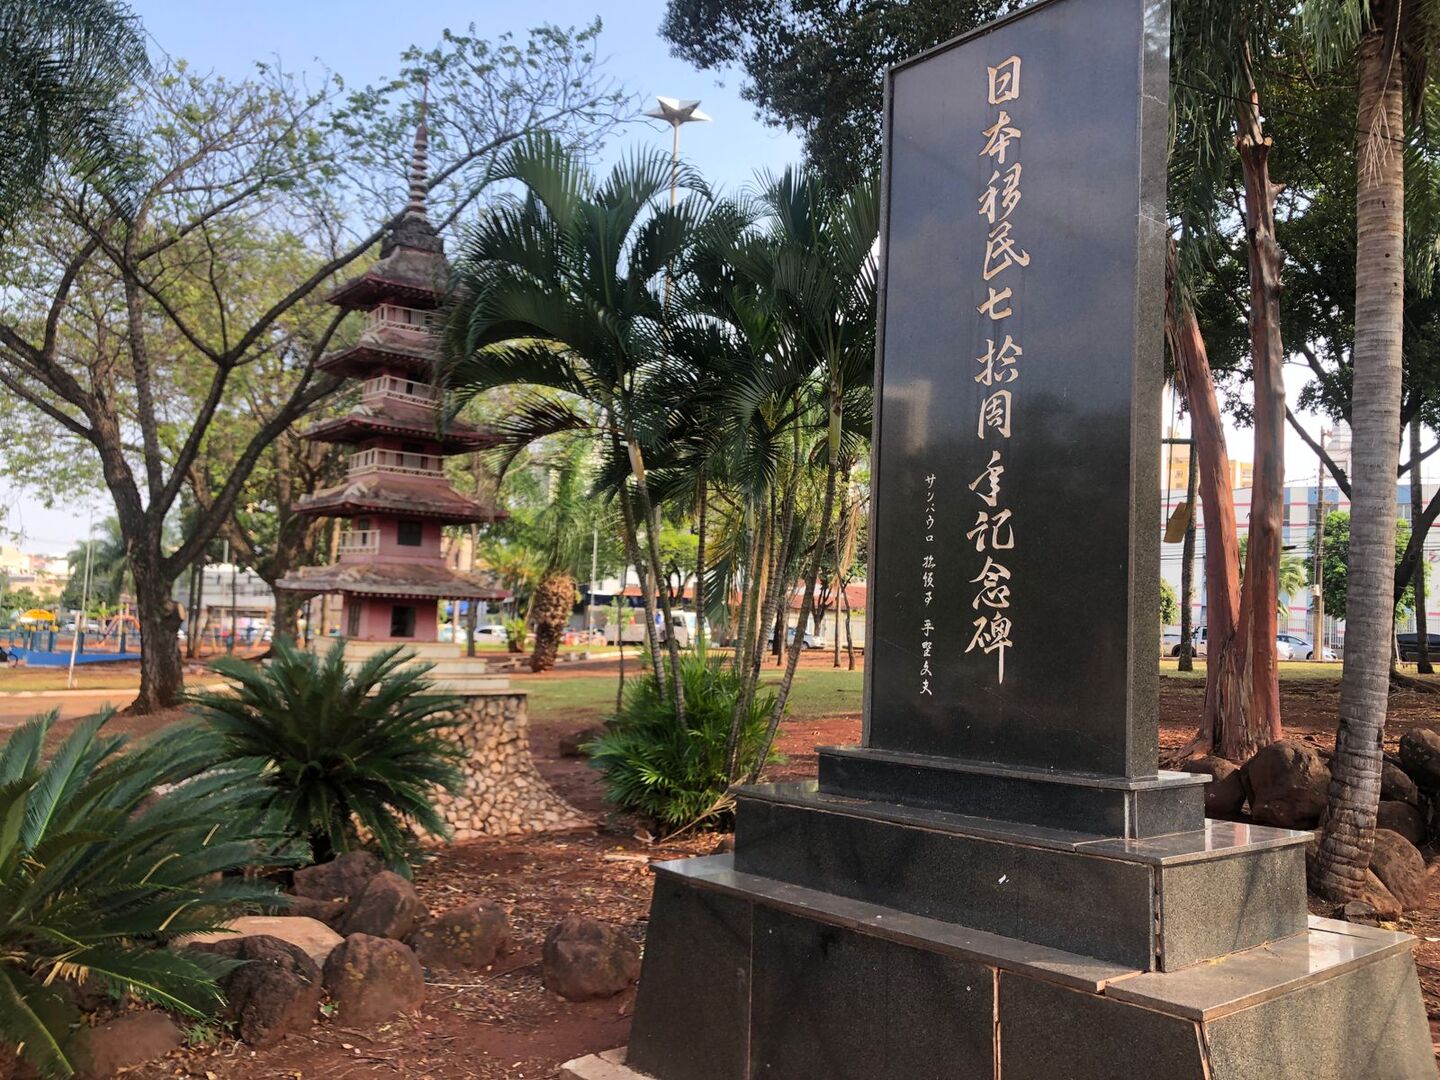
<point>702,930</point>
<point>1048,1032</point>
<point>1218,906</point>
<point>1170,901</point>
<point>717,872</point>
<point>1366,1023</point>
<point>1214,839</point>
<point>812,980</point>
<point>1012,889</point>
<point>1169,802</point>
<point>842,990</point>
<point>1249,978</point>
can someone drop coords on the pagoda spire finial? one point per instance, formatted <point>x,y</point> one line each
<point>419,167</point>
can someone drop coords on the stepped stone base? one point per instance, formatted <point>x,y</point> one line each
<point>747,978</point>
<point>450,669</point>
<point>503,793</point>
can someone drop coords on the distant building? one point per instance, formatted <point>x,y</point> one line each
<point>1300,515</point>
<point>1175,469</point>
<point>226,597</point>
<point>44,575</point>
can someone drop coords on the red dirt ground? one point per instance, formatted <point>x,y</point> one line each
<point>503,1024</point>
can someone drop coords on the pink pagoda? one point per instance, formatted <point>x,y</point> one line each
<point>390,569</point>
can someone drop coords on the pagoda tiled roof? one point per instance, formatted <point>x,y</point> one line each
<point>393,493</point>
<point>400,419</point>
<point>368,356</point>
<point>406,579</point>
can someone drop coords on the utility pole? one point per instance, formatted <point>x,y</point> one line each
<point>1317,589</point>
<point>81,620</point>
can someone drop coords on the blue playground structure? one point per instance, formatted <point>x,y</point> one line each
<point>50,648</point>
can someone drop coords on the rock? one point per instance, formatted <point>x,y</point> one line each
<point>311,936</point>
<point>386,907</point>
<point>328,912</point>
<point>1225,793</point>
<point>570,745</point>
<point>340,879</point>
<point>585,959</point>
<point>1400,868</point>
<point>135,1038</point>
<point>275,992</point>
<point>373,978</point>
<point>1379,898</point>
<point>1396,786</point>
<point>1402,818</point>
<point>725,845</point>
<point>1420,757</point>
<point>1286,784</point>
<point>1362,912</point>
<point>463,939</point>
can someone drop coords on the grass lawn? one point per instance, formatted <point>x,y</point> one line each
<point>815,693</point>
<point>1289,669</point>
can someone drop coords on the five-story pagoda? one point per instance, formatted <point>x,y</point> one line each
<point>390,569</point>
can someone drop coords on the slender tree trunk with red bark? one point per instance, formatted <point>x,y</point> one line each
<point>1212,464</point>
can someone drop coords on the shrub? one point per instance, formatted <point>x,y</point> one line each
<point>517,635</point>
<point>672,774</point>
<point>97,869</point>
<point>344,752</point>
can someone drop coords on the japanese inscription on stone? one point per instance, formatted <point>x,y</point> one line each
<point>1017,397</point>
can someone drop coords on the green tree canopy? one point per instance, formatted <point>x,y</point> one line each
<point>817,67</point>
<point>1336,564</point>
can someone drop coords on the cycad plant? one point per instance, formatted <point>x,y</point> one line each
<point>346,753</point>
<point>97,870</point>
<point>674,771</point>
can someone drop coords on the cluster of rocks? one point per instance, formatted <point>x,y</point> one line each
<point>1287,783</point>
<point>503,793</point>
<point>358,936</point>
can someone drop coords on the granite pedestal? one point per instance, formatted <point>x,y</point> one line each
<point>851,939</point>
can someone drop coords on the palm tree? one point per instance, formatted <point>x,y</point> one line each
<point>562,530</point>
<point>67,65</point>
<point>1390,44</point>
<point>823,273</point>
<point>562,289</point>
<point>108,560</point>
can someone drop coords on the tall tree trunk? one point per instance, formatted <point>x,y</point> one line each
<point>554,598</point>
<point>162,678</point>
<point>197,598</point>
<point>701,520</point>
<point>1374,454</point>
<point>1248,667</point>
<point>1187,569</point>
<point>1417,512</point>
<point>811,573</point>
<point>849,641</point>
<point>632,551</point>
<point>1212,464</point>
<point>651,513</point>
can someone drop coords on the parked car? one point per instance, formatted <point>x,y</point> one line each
<point>1409,645</point>
<point>491,632</point>
<point>810,641</point>
<point>1301,648</point>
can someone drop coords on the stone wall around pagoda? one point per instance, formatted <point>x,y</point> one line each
<point>503,794</point>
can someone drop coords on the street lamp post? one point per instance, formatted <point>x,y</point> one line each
<point>676,113</point>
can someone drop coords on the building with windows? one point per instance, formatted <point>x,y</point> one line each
<point>1302,509</point>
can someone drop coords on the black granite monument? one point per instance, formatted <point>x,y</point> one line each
<point>998,883</point>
